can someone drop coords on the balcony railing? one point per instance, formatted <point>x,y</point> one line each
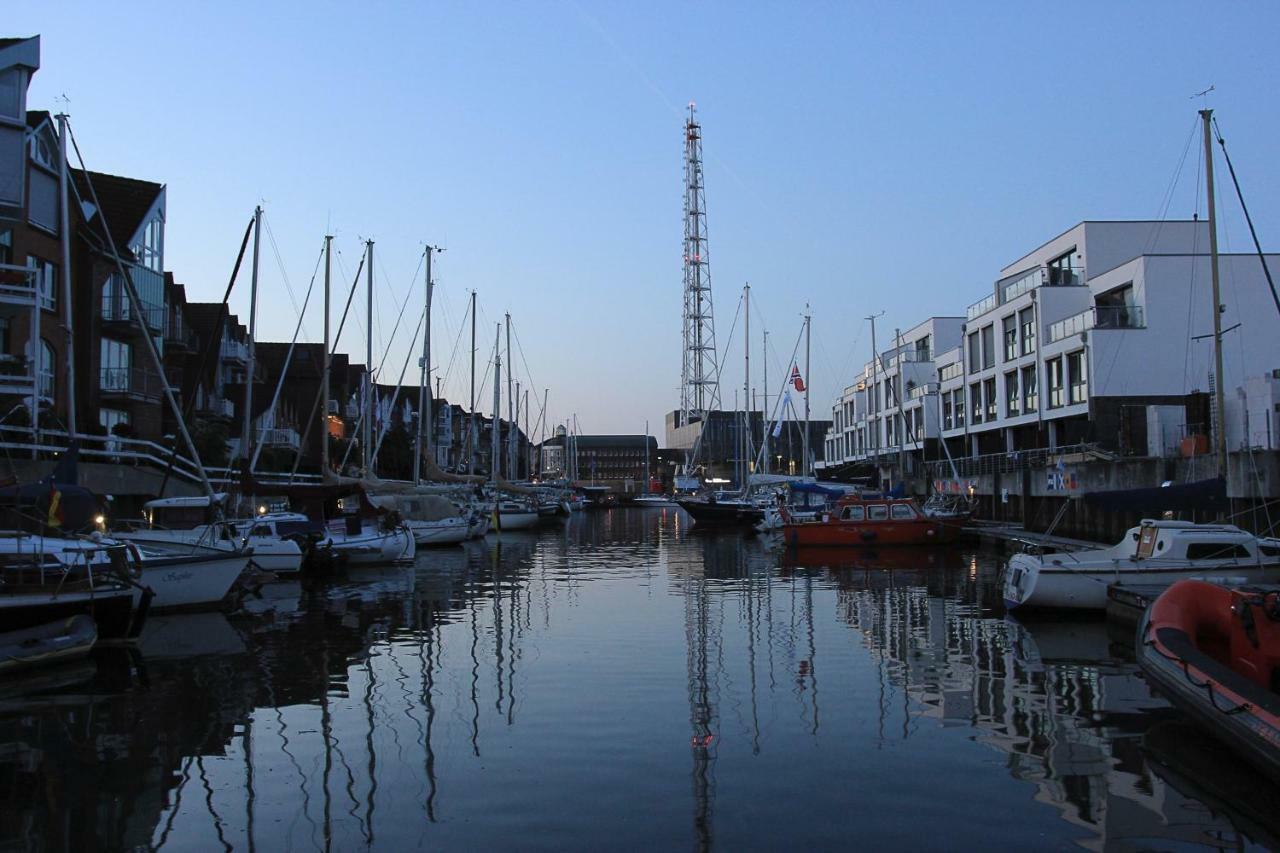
<point>951,371</point>
<point>1029,280</point>
<point>216,406</point>
<point>234,350</point>
<point>1073,325</point>
<point>279,437</point>
<point>982,306</point>
<point>1119,317</point>
<point>17,284</point>
<point>129,380</point>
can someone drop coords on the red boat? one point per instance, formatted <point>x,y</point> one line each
<point>863,520</point>
<point>1215,652</point>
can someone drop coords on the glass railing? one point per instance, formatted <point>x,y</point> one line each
<point>129,380</point>
<point>1118,317</point>
<point>951,371</point>
<point>1028,280</point>
<point>1073,325</point>
<point>234,350</point>
<point>982,306</point>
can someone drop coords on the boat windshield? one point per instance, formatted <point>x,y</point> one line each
<point>877,512</point>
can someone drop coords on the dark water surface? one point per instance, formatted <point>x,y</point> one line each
<point>620,683</point>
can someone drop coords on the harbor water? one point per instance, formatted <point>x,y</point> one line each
<point>621,682</point>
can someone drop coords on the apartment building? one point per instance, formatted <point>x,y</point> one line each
<point>1100,337</point>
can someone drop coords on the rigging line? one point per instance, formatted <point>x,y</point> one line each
<point>1222,143</point>
<point>275,249</point>
<point>403,304</point>
<point>1167,200</point>
<point>457,342</point>
<point>523,360</point>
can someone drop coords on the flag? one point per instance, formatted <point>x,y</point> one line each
<point>795,378</point>
<point>55,507</point>
<point>782,413</point>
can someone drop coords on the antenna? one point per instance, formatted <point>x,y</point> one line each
<point>699,380</point>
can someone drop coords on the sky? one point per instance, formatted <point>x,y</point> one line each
<point>860,158</point>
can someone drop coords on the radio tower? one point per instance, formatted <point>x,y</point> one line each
<point>699,379</point>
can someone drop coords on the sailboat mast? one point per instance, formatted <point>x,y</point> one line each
<point>764,412</point>
<point>366,440</point>
<point>510,407</point>
<point>515,429</point>
<point>746,382</point>
<point>471,417</point>
<point>495,455</point>
<point>324,371</point>
<point>246,431</point>
<point>647,478</point>
<point>873,395</point>
<point>1220,425</point>
<point>423,439</point>
<point>64,246</point>
<point>902,413</point>
<point>808,381</point>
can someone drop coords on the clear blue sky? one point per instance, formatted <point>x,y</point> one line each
<point>860,157</point>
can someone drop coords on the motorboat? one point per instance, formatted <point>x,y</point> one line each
<point>655,501</point>
<point>944,507</point>
<point>1155,552</point>
<point>723,509</point>
<point>43,581</point>
<point>179,524</point>
<point>310,536</point>
<point>60,641</point>
<point>869,519</point>
<point>1214,650</point>
<point>801,501</point>
<point>511,514</point>
<point>365,541</point>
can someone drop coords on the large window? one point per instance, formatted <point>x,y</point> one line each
<point>1078,376</point>
<point>975,403</point>
<point>1011,396</point>
<point>1066,269</point>
<point>989,398</point>
<point>46,281</point>
<point>975,353</point>
<point>117,359</point>
<point>958,407</point>
<point>149,248</point>
<point>1053,367</point>
<point>47,369</point>
<point>988,346</point>
<point>1030,399</point>
<point>110,417</point>
<point>1027,320</point>
<point>1009,329</point>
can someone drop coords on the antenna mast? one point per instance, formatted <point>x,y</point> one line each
<point>699,380</point>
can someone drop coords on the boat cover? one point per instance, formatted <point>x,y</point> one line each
<point>1202,494</point>
<point>816,489</point>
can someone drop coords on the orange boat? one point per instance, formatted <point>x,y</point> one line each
<point>864,520</point>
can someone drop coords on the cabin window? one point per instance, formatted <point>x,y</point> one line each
<point>902,511</point>
<point>877,512</point>
<point>260,530</point>
<point>854,513</point>
<point>1216,551</point>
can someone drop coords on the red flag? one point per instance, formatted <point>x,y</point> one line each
<point>795,377</point>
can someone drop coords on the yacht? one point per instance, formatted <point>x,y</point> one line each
<point>184,523</point>
<point>1155,552</point>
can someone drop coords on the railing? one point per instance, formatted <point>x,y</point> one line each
<point>1029,280</point>
<point>925,390</point>
<point>116,308</point>
<point>1005,463</point>
<point>17,284</point>
<point>951,371</point>
<point>982,306</point>
<point>279,437</point>
<point>1118,317</point>
<point>1073,325</point>
<point>217,406</point>
<point>233,350</point>
<point>129,380</point>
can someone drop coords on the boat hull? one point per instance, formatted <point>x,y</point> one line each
<point>1237,710</point>
<point>281,556</point>
<point>191,581</point>
<point>54,642</point>
<point>447,531</point>
<point>722,514</point>
<point>516,520</point>
<point>112,611</point>
<point>1028,584</point>
<point>376,548</point>
<point>869,534</point>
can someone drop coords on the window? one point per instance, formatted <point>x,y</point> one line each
<point>1011,395</point>
<point>877,512</point>
<point>1009,328</point>
<point>110,417</point>
<point>46,281</point>
<point>1078,375</point>
<point>975,403</point>
<point>1027,320</point>
<point>988,346</point>
<point>117,358</point>
<point>958,394</point>
<point>1217,551</point>
<point>1030,399</point>
<point>149,248</point>
<point>854,513</point>
<point>989,398</point>
<point>5,339</point>
<point>922,348</point>
<point>902,511</point>
<point>47,369</point>
<point>1066,269</point>
<point>975,353</point>
<point>1056,390</point>
<point>6,246</point>
<point>946,411</point>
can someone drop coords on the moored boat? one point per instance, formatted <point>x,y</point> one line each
<point>53,642</point>
<point>1155,552</point>
<point>866,520</point>
<point>1215,652</point>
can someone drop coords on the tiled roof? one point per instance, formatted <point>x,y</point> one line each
<point>125,201</point>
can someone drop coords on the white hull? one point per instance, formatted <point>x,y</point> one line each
<point>446,531</point>
<point>516,520</point>
<point>190,582</point>
<point>655,503</point>
<point>375,547</point>
<point>269,553</point>
<point>1086,588</point>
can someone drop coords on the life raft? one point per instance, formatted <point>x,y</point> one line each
<point>1215,652</point>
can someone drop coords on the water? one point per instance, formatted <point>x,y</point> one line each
<point>619,683</point>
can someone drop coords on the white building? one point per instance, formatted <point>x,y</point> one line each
<point>1097,337</point>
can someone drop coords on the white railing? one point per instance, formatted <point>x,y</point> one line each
<point>17,284</point>
<point>234,350</point>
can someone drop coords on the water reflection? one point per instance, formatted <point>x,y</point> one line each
<point>615,683</point>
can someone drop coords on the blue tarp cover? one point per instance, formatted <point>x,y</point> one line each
<point>815,489</point>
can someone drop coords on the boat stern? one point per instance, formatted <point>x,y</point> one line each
<point>1020,578</point>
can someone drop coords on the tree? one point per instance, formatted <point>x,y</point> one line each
<point>210,439</point>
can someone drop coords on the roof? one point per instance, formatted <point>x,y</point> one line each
<point>35,118</point>
<point>124,202</point>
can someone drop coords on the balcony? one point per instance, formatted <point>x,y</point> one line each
<point>1118,317</point>
<point>17,285</point>
<point>279,437</point>
<point>1073,325</point>
<point>149,286</point>
<point>234,351</point>
<point>982,306</point>
<point>218,407</point>
<point>177,335</point>
<point>132,382</point>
